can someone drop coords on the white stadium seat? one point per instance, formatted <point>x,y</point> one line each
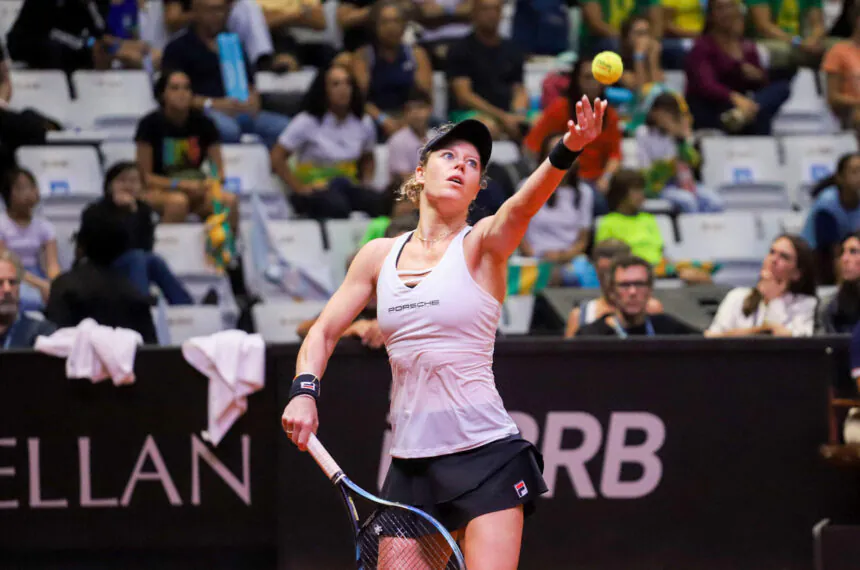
<point>44,91</point>
<point>343,239</point>
<point>810,158</point>
<point>775,222</point>
<point>118,151</point>
<point>505,152</point>
<point>112,100</point>
<point>630,154</point>
<point>440,95</point>
<point>730,238</point>
<point>671,248</point>
<point>9,10</point>
<point>183,248</point>
<point>65,230</point>
<point>189,321</point>
<point>291,82</point>
<point>746,172</point>
<point>381,171</point>
<point>277,322</point>
<point>63,171</point>
<point>247,168</point>
<point>805,111</point>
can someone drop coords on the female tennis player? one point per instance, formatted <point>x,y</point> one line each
<point>456,453</point>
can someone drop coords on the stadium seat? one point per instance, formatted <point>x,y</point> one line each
<point>183,248</point>
<point>331,35</point>
<point>277,322</point>
<point>745,171</point>
<point>247,169</point>
<point>43,91</point>
<point>505,152</point>
<point>117,151</point>
<point>68,176</point>
<point>440,95</point>
<point>534,73</point>
<point>671,248</point>
<point>65,229</point>
<point>630,154</point>
<point>292,82</point>
<point>9,10</point>
<point>805,111</point>
<point>343,239</point>
<point>729,238</point>
<point>113,101</point>
<point>775,222</point>
<point>810,158</point>
<point>517,312</point>
<point>298,243</point>
<point>189,321</point>
<point>381,172</point>
<point>675,80</point>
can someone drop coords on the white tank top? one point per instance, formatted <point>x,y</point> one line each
<point>440,337</point>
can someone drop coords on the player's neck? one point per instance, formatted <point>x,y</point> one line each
<point>434,227</point>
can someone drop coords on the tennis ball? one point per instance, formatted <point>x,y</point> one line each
<point>607,67</point>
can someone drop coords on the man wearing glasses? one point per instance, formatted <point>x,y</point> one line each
<point>16,329</point>
<point>631,281</point>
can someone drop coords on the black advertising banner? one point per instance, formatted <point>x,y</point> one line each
<point>659,455</point>
<point>94,467</point>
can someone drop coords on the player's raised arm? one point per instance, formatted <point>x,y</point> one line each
<point>300,416</point>
<point>503,232</point>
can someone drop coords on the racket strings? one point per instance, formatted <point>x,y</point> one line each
<point>399,539</point>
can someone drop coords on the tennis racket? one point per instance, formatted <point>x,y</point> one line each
<point>393,536</point>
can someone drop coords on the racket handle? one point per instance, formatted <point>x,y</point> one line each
<point>323,457</point>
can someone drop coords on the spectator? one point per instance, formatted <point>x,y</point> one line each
<point>598,161</point>
<point>17,330</point>
<point>631,282</point>
<point>59,34</point>
<point>835,213</point>
<point>783,301</point>
<point>792,31</point>
<point>405,145</point>
<point>667,155</point>
<point>194,51</point>
<point>542,28</point>
<point>93,289</point>
<point>842,66</point>
<point>727,86</point>
<point>640,53</point>
<point>444,22</point>
<point>596,275</point>
<point>627,222</point>
<point>602,20</point>
<point>386,70</point>
<point>353,18</point>
<point>333,141</point>
<point>18,127</point>
<point>30,236</point>
<point>561,230</point>
<point>126,223</point>
<point>683,20</point>
<point>172,143</point>
<point>283,18</point>
<point>485,73</point>
<point>839,313</point>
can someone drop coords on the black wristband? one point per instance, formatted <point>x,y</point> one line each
<point>305,384</point>
<point>562,157</point>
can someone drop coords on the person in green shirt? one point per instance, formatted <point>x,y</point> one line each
<point>627,222</point>
<point>602,19</point>
<point>793,31</point>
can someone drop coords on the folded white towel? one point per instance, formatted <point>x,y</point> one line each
<point>94,351</point>
<point>235,363</point>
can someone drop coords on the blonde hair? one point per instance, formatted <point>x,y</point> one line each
<point>411,189</point>
<point>9,256</point>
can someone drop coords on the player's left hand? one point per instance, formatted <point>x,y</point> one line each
<point>588,125</point>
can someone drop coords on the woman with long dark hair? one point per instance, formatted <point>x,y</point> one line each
<point>840,312</point>
<point>333,141</point>
<point>783,301</point>
<point>834,214</point>
<point>727,86</point>
<point>387,70</point>
<point>599,160</point>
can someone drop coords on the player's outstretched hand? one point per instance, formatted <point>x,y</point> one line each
<point>300,420</point>
<point>588,124</point>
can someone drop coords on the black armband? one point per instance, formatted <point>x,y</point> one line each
<point>562,157</point>
<point>305,385</point>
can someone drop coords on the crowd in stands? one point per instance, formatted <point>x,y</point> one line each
<point>374,77</point>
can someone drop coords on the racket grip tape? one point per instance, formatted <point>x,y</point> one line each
<point>323,458</point>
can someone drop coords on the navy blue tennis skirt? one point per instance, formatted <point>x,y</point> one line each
<point>459,487</point>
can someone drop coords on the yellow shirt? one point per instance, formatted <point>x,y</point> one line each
<point>789,17</point>
<point>686,14</point>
